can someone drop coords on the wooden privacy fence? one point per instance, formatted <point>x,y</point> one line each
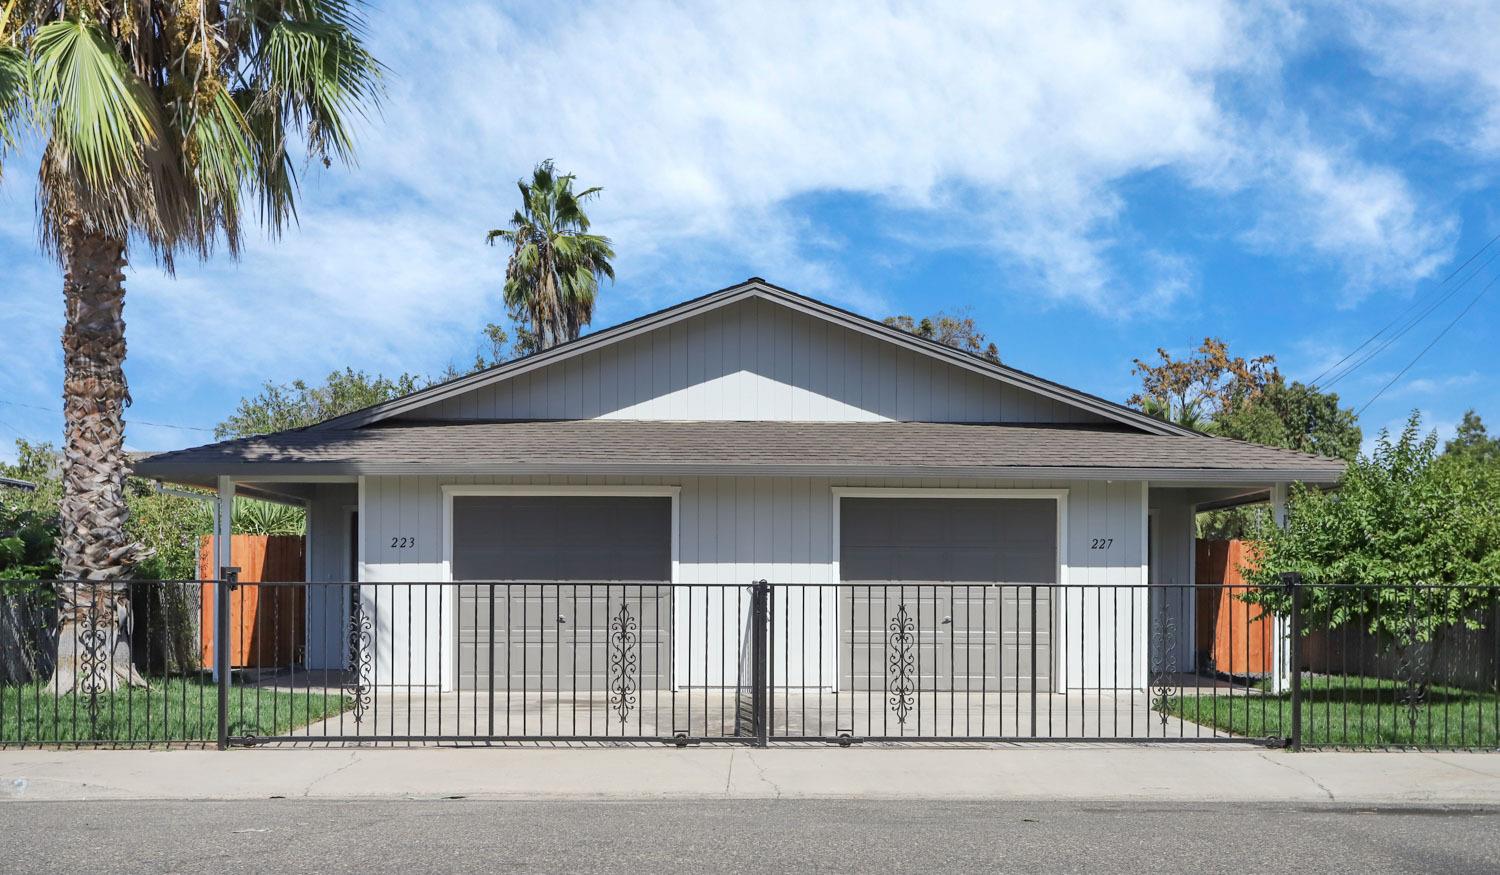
<point>1233,638</point>
<point>270,623</point>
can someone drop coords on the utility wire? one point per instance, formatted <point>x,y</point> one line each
<point>1410,324</point>
<point>127,419</point>
<point>1429,346</point>
<point>1412,306</point>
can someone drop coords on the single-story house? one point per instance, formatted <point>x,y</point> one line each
<point>753,433</point>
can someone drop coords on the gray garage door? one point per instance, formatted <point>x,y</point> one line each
<point>551,634</point>
<point>1001,556</point>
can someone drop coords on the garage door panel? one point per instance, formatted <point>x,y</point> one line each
<point>561,635</point>
<point>987,564</point>
<point>555,635</point>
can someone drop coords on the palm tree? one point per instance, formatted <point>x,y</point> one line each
<point>159,119</point>
<point>553,274</point>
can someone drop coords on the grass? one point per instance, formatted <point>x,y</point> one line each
<point>1353,711</point>
<point>168,710</point>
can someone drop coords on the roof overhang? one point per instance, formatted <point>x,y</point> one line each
<point>740,449</point>
<point>204,474</point>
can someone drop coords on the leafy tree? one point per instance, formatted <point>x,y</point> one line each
<point>1402,515</point>
<point>495,349</point>
<point>28,518</point>
<point>1294,416</point>
<point>167,525</point>
<point>1195,391</point>
<point>1473,441</point>
<point>957,331</point>
<point>297,404</point>
<point>552,277</point>
<point>1247,400</point>
<point>158,120</point>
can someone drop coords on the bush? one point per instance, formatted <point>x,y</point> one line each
<point>1401,516</point>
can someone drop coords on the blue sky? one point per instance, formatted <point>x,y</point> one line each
<point>1090,182</point>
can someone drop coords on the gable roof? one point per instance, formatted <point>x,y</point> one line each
<point>755,287</point>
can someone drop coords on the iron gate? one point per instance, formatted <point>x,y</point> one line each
<point>742,664</point>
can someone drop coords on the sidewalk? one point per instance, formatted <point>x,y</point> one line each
<point>1032,773</point>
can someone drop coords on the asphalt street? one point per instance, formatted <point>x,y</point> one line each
<point>757,836</point>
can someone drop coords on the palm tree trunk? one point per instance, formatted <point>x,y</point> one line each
<point>94,608</point>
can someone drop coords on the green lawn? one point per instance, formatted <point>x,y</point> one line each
<point>169,710</point>
<point>1354,712</point>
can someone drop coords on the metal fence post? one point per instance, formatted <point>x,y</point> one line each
<point>1293,582</point>
<point>760,695</point>
<point>228,581</point>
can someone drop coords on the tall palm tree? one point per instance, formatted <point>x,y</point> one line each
<point>552,277</point>
<point>159,120</point>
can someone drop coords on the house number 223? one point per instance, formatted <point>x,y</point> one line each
<point>403,543</point>
<point>1101,543</point>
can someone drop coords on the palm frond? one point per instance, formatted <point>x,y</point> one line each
<point>100,114</point>
<point>221,164</point>
<point>15,78</point>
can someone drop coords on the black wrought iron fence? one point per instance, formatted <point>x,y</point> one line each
<point>105,664</point>
<point>485,662</point>
<point>1408,665</point>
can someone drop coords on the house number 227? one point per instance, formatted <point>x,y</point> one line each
<point>403,543</point>
<point>1101,543</point>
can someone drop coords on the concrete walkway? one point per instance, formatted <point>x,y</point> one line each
<point>997,773</point>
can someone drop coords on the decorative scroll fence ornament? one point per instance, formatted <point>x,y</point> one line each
<point>623,661</point>
<point>361,655</point>
<point>1412,669</point>
<point>902,664</point>
<point>93,662</point>
<point>1163,645</point>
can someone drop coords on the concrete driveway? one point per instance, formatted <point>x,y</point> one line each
<point>472,714</point>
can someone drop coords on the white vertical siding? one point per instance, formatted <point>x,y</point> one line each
<point>741,529</point>
<point>755,360</point>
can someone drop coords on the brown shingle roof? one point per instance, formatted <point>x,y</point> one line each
<point>790,448</point>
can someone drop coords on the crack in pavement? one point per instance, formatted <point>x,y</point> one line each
<point>762,772</point>
<point>353,758</point>
<point>1296,771</point>
<point>729,774</point>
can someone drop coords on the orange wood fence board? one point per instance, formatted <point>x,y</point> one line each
<point>268,622</point>
<point>1233,634</point>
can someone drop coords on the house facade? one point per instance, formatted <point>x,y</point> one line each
<point>753,434</point>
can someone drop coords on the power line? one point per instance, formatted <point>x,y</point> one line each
<point>13,429</point>
<point>1411,323</point>
<point>127,419</point>
<point>1316,381</point>
<point>1419,355</point>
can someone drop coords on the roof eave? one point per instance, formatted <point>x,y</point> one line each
<point>193,472</point>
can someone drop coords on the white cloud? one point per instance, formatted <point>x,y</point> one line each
<point>1447,46</point>
<point>1012,127</point>
<point>703,123</point>
<point>1363,217</point>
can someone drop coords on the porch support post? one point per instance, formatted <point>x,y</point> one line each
<point>1281,629</point>
<point>223,557</point>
